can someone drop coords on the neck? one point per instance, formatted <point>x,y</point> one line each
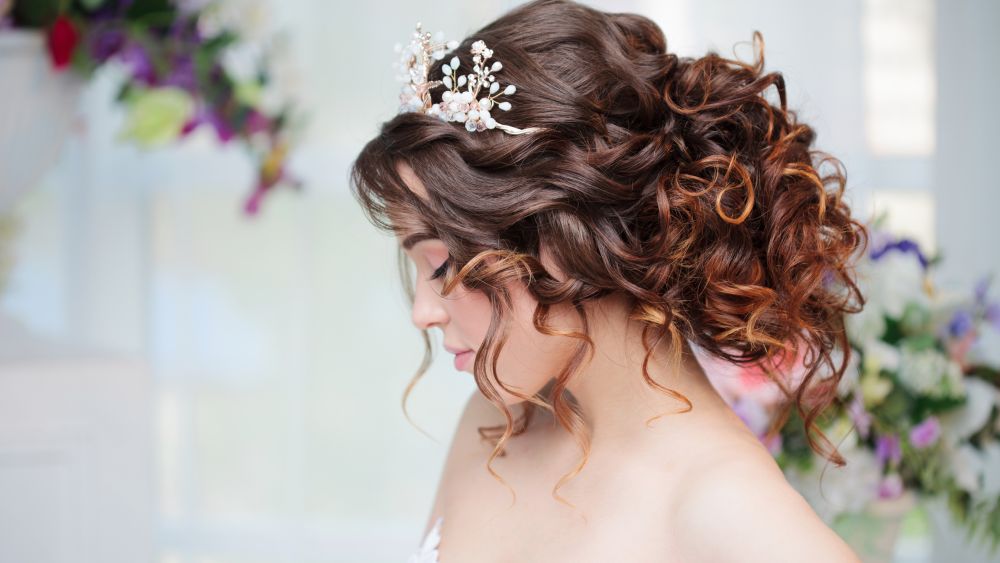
<point>615,399</point>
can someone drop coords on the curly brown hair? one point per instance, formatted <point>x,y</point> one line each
<point>671,180</point>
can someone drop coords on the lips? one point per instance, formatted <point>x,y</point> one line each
<point>462,356</point>
<point>462,360</point>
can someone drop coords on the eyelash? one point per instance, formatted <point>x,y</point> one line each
<point>441,270</point>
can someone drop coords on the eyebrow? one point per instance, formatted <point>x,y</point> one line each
<point>413,239</point>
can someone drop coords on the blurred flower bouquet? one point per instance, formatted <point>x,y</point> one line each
<point>916,414</point>
<point>186,64</point>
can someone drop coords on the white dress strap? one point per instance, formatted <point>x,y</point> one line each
<point>428,552</point>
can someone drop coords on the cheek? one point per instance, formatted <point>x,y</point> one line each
<point>470,312</point>
<point>530,359</point>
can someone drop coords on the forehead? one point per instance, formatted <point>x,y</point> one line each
<point>411,180</point>
<point>408,230</point>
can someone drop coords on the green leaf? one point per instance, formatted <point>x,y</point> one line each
<point>213,46</point>
<point>92,4</point>
<point>35,13</point>
<point>142,9</point>
<point>83,63</point>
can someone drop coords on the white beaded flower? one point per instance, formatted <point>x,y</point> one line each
<point>456,105</point>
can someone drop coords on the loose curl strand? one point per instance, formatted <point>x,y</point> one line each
<point>672,181</point>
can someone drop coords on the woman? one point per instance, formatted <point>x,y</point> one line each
<point>630,204</point>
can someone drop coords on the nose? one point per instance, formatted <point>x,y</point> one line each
<point>428,307</point>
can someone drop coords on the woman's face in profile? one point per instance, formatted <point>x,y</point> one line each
<point>528,360</point>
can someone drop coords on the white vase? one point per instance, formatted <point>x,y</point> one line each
<point>37,107</point>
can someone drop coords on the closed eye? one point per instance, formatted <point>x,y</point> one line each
<point>441,270</point>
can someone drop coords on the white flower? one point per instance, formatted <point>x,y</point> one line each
<point>895,279</point>
<point>929,372</point>
<point>880,355</point>
<point>965,464</point>
<point>991,470</point>
<point>479,48</point>
<point>852,375</point>
<point>976,471</point>
<point>867,325</point>
<point>843,433</point>
<point>241,60</point>
<point>986,349</point>
<point>962,422</point>
<point>844,489</point>
<point>247,18</point>
<point>456,106</point>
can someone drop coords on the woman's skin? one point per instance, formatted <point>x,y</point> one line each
<point>696,486</point>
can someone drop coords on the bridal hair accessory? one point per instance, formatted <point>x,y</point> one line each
<point>462,106</point>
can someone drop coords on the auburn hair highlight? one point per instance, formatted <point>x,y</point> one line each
<point>671,180</point>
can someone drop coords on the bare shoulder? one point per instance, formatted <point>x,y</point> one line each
<point>466,446</point>
<point>744,499</point>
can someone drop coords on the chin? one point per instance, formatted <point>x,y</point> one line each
<point>510,399</point>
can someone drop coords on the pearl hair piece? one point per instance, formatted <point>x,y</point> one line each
<point>455,105</point>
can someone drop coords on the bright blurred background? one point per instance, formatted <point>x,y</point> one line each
<point>184,383</point>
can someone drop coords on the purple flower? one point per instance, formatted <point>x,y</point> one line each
<point>256,122</point>
<point>183,75</point>
<point>222,129</point>
<point>961,322</point>
<point>205,114</point>
<point>106,42</point>
<point>887,449</point>
<point>981,286</point>
<point>891,486</point>
<point>138,61</point>
<point>252,204</point>
<point>901,245</point>
<point>993,314</point>
<point>925,433</point>
<point>879,239</point>
<point>861,418</point>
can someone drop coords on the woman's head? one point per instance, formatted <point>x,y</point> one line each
<point>668,184</point>
<point>463,316</point>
